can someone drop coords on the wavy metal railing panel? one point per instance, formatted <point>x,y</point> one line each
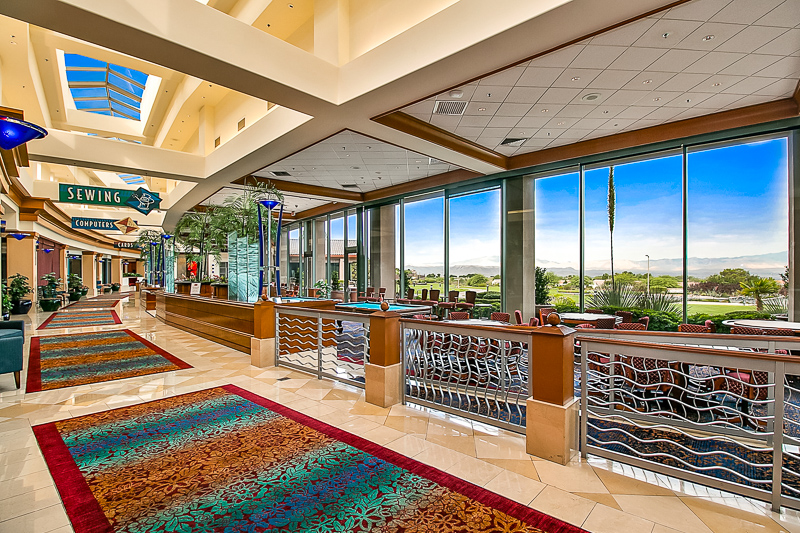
<point>326,344</point>
<point>480,377</point>
<point>726,421</point>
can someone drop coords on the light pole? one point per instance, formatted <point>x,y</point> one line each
<point>648,274</point>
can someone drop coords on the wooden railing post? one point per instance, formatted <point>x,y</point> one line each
<point>552,409</point>
<point>383,373</point>
<point>262,345</point>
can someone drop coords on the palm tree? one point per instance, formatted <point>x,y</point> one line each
<point>612,211</point>
<point>758,288</point>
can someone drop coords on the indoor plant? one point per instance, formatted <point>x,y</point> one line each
<point>50,300</point>
<point>74,283</point>
<point>17,290</point>
<point>115,287</point>
<point>6,302</point>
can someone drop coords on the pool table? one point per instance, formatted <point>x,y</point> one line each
<point>371,307</point>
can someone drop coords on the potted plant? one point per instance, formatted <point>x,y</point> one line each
<point>115,287</point>
<point>50,300</point>
<point>6,302</point>
<point>84,290</point>
<point>74,283</point>
<point>17,290</point>
<point>336,292</point>
<point>106,288</point>
<point>322,289</point>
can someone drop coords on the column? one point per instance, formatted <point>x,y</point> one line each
<point>382,249</point>
<point>552,410</point>
<point>62,262</point>
<point>116,270</point>
<point>332,30</point>
<point>383,375</point>
<point>320,253</point>
<point>22,259</point>
<point>519,267</point>
<point>262,345</point>
<point>89,269</point>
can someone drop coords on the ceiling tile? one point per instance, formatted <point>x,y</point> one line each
<point>545,110</point>
<point>648,80</point>
<point>718,101</point>
<point>558,96</point>
<point>424,107</point>
<point>634,112</point>
<point>535,142</point>
<point>657,98</point>
<point>637,58</point>
<point>788,67</point>
<point>482,108</point>
<point>745,11</point>
<point>749,85</point>
<point>596,56</point>
<point>785,44</point>
<point>575,111</point>
<point>446,122</point>
<point>560,58</point>
<point>612,79</point>
<point>688,99</point>
<point>676,31</point>
<point>696,10</point>
<point>750,64</point>
<point>625,35</point>
<point>713,62</point>
<point>785,15</point>
<point>468,91</point>
<point>783,88</point>
<point>606,111</point>
<point>539,76</point>
<point>561,122</point>
<point>683,82</point>
<point>625,97</point>
<point>467,131</point>
<point>676,60</point>
<point>524,95</point>
<point>474,121</point>
<point>498,93</point>
<point>505,77</point>
<point>590,123</point>
<point>576,77</point>
<point>504,121</point>
<point>617,123</point>
<point>532,122</point>
<point>575,133</point>
<point>710,36</point>
<point>550,133</point>
<point>513,110</point>
<point>750,38</point>
<point>716,83</point>
<point>664,113</point>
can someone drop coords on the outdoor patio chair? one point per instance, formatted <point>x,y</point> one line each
<point>368,295</point>
<point>645,320</point>
<point>605,323</point>
<point>595,311</point>
<point>693,328</point>
<point>518,316</point>
<point>543,314</point>
<point>408,299</point>
<point>433,298</point>
<point>586,325</point>
<point>533,322</point>
<point>422,317</point>
<point>452,299</point>
<point>458,315</point>
<point>500,317</point>
<point>740,330</point>
<point>627,316</point>
<point>470,301</point>
<point>630,326</point>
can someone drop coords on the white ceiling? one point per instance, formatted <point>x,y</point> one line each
<point>292,202</point>
<point>352,158</point>
<point>696,59</point>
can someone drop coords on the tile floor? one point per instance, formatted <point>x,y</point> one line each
<point>599,495</point>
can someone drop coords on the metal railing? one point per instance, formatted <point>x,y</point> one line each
<point>727,417</point>
<point>330,344</point>
<point>474,373</point>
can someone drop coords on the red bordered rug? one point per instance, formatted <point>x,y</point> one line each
<point>80,319</point>
<point>225,459</point>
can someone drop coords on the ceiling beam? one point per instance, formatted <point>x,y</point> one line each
<point>302,188</point>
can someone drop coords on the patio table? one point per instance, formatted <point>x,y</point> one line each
<point>586,318</point>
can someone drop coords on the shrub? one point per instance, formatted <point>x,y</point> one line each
<point>700,318</point>
<point>622,296</point>
<point>563,304</point>
<point>489,296</point>
<point>659,320</point>
<point>481,312</point>
<point>540,286</point>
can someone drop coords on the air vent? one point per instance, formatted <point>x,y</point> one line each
<point>349,185</point>
<point>280,174</point>
<point>241,125</point>
<point>449,107</point>
<point>513,141</point>
<point>432,161</point>
<point>216,142</point>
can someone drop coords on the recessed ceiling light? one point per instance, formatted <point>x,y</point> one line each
<point>481,109</point>
<point>708,37</point>
<point>590,97</point>
<point>688,100</point>
<point>560,124</point>
<point>488,95</point>
<point>418,161</point>
<point>665,34</point>
<point>291,5</point>
<point>13,42</point>
<point>656,99</point>
<point>716,84</point>
<point>545,110</point>
<point>457,93</point>
<point>576,78</point>
<point>605,112</point>
<point>647,82</point>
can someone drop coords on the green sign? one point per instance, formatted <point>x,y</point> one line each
<point>142,200</point>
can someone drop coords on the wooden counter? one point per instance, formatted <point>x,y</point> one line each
<point>223,321</point>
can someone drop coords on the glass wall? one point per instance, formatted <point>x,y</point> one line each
<point>293,266</point>
<point>474,241</point>
<point>424,241</point>
<point>336,255</point>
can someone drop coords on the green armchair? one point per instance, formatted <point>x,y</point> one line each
<point>12,337</point>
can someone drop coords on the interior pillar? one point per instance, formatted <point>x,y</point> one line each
<point>205,131</point>
<point>320,259</point>
<point>89,272</point>
<point>116,270</point>
<point>519,265</point>
<point>62,261</point>
<point>332,31</point>
<point>382,248</point>
<point>22,259</point>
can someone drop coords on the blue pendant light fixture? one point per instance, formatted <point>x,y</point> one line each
<point>19,236</point>
<point>15,132</point>
<point>269,203</point>
<point>265,270</point>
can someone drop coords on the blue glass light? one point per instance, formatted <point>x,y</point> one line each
<point>166,236</point>
<point>48,250</point>
<point>153,243</point>
<point>15,132</point>
<point>269,204</point>
<point>19,236</point>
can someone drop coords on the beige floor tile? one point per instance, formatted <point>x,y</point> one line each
<point>319,411</point>
<point>18,455</point>
<point>668,511</point>
<point>14,470</point>
<point>413,425</point>
<point>43,521</point>
<point>383,435</point>
<point>516,487</point>
<point>449,428</point>
<point>438,456</point>
<point>722,519</point>
<point>604,519</point>
<point>575,477</point>
<point>25,484</point>
<point>500,448</point>
<point>408,445</point>
<point>359,426</point>
<point>658,528</point>
<point>475,471</point>
<point>563,505</point>
<point>605,499</point>
<point>29,502</point>
<point>464,445</point>
<point>619,484</point>
<point>525,467</point>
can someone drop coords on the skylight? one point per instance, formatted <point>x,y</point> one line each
<point>132,179</point>
<point>105,88</point>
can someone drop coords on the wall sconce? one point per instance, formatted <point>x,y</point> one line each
<point>19,236</point>
<point>14,132</point>
<point>48,250</point>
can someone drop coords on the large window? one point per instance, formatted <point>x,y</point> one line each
<point>474,241</point>
<point>424,239</point>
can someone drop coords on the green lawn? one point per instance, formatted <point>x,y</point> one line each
<point>693,307</point>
